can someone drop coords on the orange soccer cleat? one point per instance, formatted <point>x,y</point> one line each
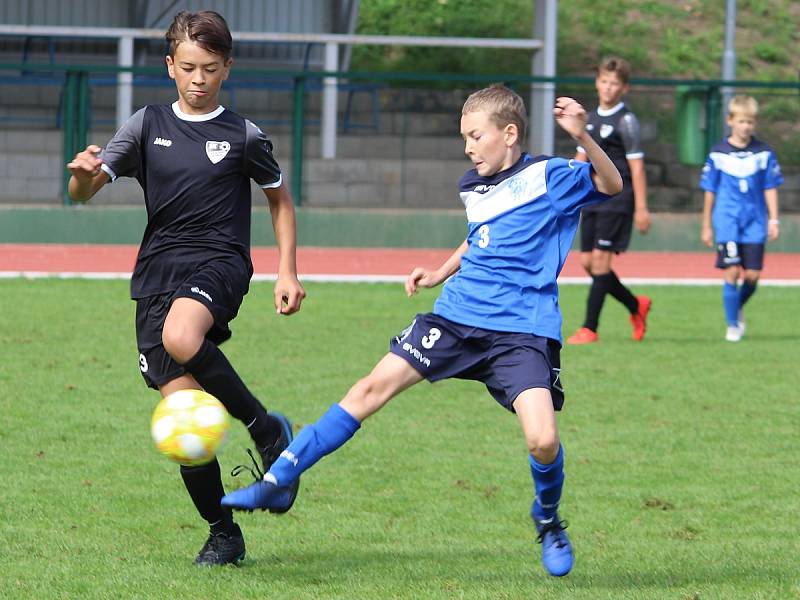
<point>584,335</point>
<point>639,320</point>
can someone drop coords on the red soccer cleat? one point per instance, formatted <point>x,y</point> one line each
<point>639,320</point>
<point>584,335</point>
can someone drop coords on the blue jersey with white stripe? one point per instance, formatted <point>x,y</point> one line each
<point>521,225</point>
<point>738,178</point>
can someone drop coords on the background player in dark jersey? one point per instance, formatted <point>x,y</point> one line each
<point>194,161</point>
<point>740,178</point>
<point>606,227</point>
<point>497,319</point>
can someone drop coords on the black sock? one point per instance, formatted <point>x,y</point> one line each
<point>204,485</point>
<point>597,295</point>
<point>213,371</point>
<point>623,294</point>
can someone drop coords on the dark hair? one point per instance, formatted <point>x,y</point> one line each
<point>503,105</point>
<point>206,28</point>
<point>615,64</point>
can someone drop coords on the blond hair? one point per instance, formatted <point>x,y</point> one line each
<point>503,105</point>
<point>745,105</point>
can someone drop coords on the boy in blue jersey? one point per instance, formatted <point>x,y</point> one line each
<point>740,210</point>
<point>497,319</point>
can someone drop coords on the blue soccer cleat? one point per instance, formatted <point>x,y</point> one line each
<point>263,495</point>
<point>557,556</point>
<point>239,501</point>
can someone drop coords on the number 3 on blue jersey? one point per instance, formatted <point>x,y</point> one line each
<point>483,236</point>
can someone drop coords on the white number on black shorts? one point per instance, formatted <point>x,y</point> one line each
<point>483,232</point>
<point>429,340</point>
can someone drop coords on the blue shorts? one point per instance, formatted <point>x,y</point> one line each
<point>748,256</point>
<point>507,363</point>
<point>220,286</point>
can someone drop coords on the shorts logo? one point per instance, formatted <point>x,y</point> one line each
<point>556,380</point>
<point>143,364</point>
<point>606,243</point>
<point>203,293</point>
<point>404,334</point>
<point>216,151</point>
<point>417,354</point>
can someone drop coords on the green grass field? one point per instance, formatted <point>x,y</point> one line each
<point>682,458</point>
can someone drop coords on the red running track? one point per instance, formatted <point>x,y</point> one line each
<point>100,258</point>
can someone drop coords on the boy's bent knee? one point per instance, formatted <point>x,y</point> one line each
<point>181,343</point>
<point>544,447</point>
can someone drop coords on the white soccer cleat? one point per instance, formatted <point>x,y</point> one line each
<point>741,322</point>
<point>733,334</point>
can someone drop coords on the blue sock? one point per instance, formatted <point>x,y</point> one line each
<point>730,301</point>
<point>745,291</point>
<point>547,481</point>
<point>313,442</point>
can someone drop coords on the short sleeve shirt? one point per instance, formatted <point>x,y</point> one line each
<point>738,178</point>
<point>195,172</point>
<point>521,223</point>
<point>616,130</point>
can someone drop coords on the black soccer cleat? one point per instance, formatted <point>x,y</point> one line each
<point>270,454</point>
<point>222,549</point>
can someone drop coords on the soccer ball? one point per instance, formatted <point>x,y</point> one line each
<point>189,426</point>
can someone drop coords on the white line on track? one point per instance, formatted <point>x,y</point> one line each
<point>332,278</point>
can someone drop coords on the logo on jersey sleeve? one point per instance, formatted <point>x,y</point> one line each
<point>216,151</point>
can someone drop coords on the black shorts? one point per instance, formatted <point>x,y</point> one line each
<point>507,363</point>
<point>605,231</point>
<point>748,256</point>
<point>220,286</point>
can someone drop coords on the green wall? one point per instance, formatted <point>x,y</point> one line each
<point>336,228</point>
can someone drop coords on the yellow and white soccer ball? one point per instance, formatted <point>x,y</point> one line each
<point>189,427</point>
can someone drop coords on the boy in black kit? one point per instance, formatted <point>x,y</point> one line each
<point>194,161</point>
<point>606,228</point>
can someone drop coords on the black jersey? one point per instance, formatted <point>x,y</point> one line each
<point>616,131</point>
<point>195,171</point>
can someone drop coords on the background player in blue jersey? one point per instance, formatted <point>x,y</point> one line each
<point>194,161</point>
<point>497,319</point>
<point>606,228</point>
<point>740,211</point>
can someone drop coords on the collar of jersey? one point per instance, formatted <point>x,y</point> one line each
<point>607,112</point>
<point>206,117</point>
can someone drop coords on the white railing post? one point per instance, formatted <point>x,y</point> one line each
<point>124,80</point>
<point>329,102</point>
<point>543,95</point>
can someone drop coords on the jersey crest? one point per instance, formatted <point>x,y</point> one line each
<point>216,151</point>
<point>606,130</point>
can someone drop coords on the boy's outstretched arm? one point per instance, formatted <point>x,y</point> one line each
<point>571,116</point>
<point>421,277</point>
